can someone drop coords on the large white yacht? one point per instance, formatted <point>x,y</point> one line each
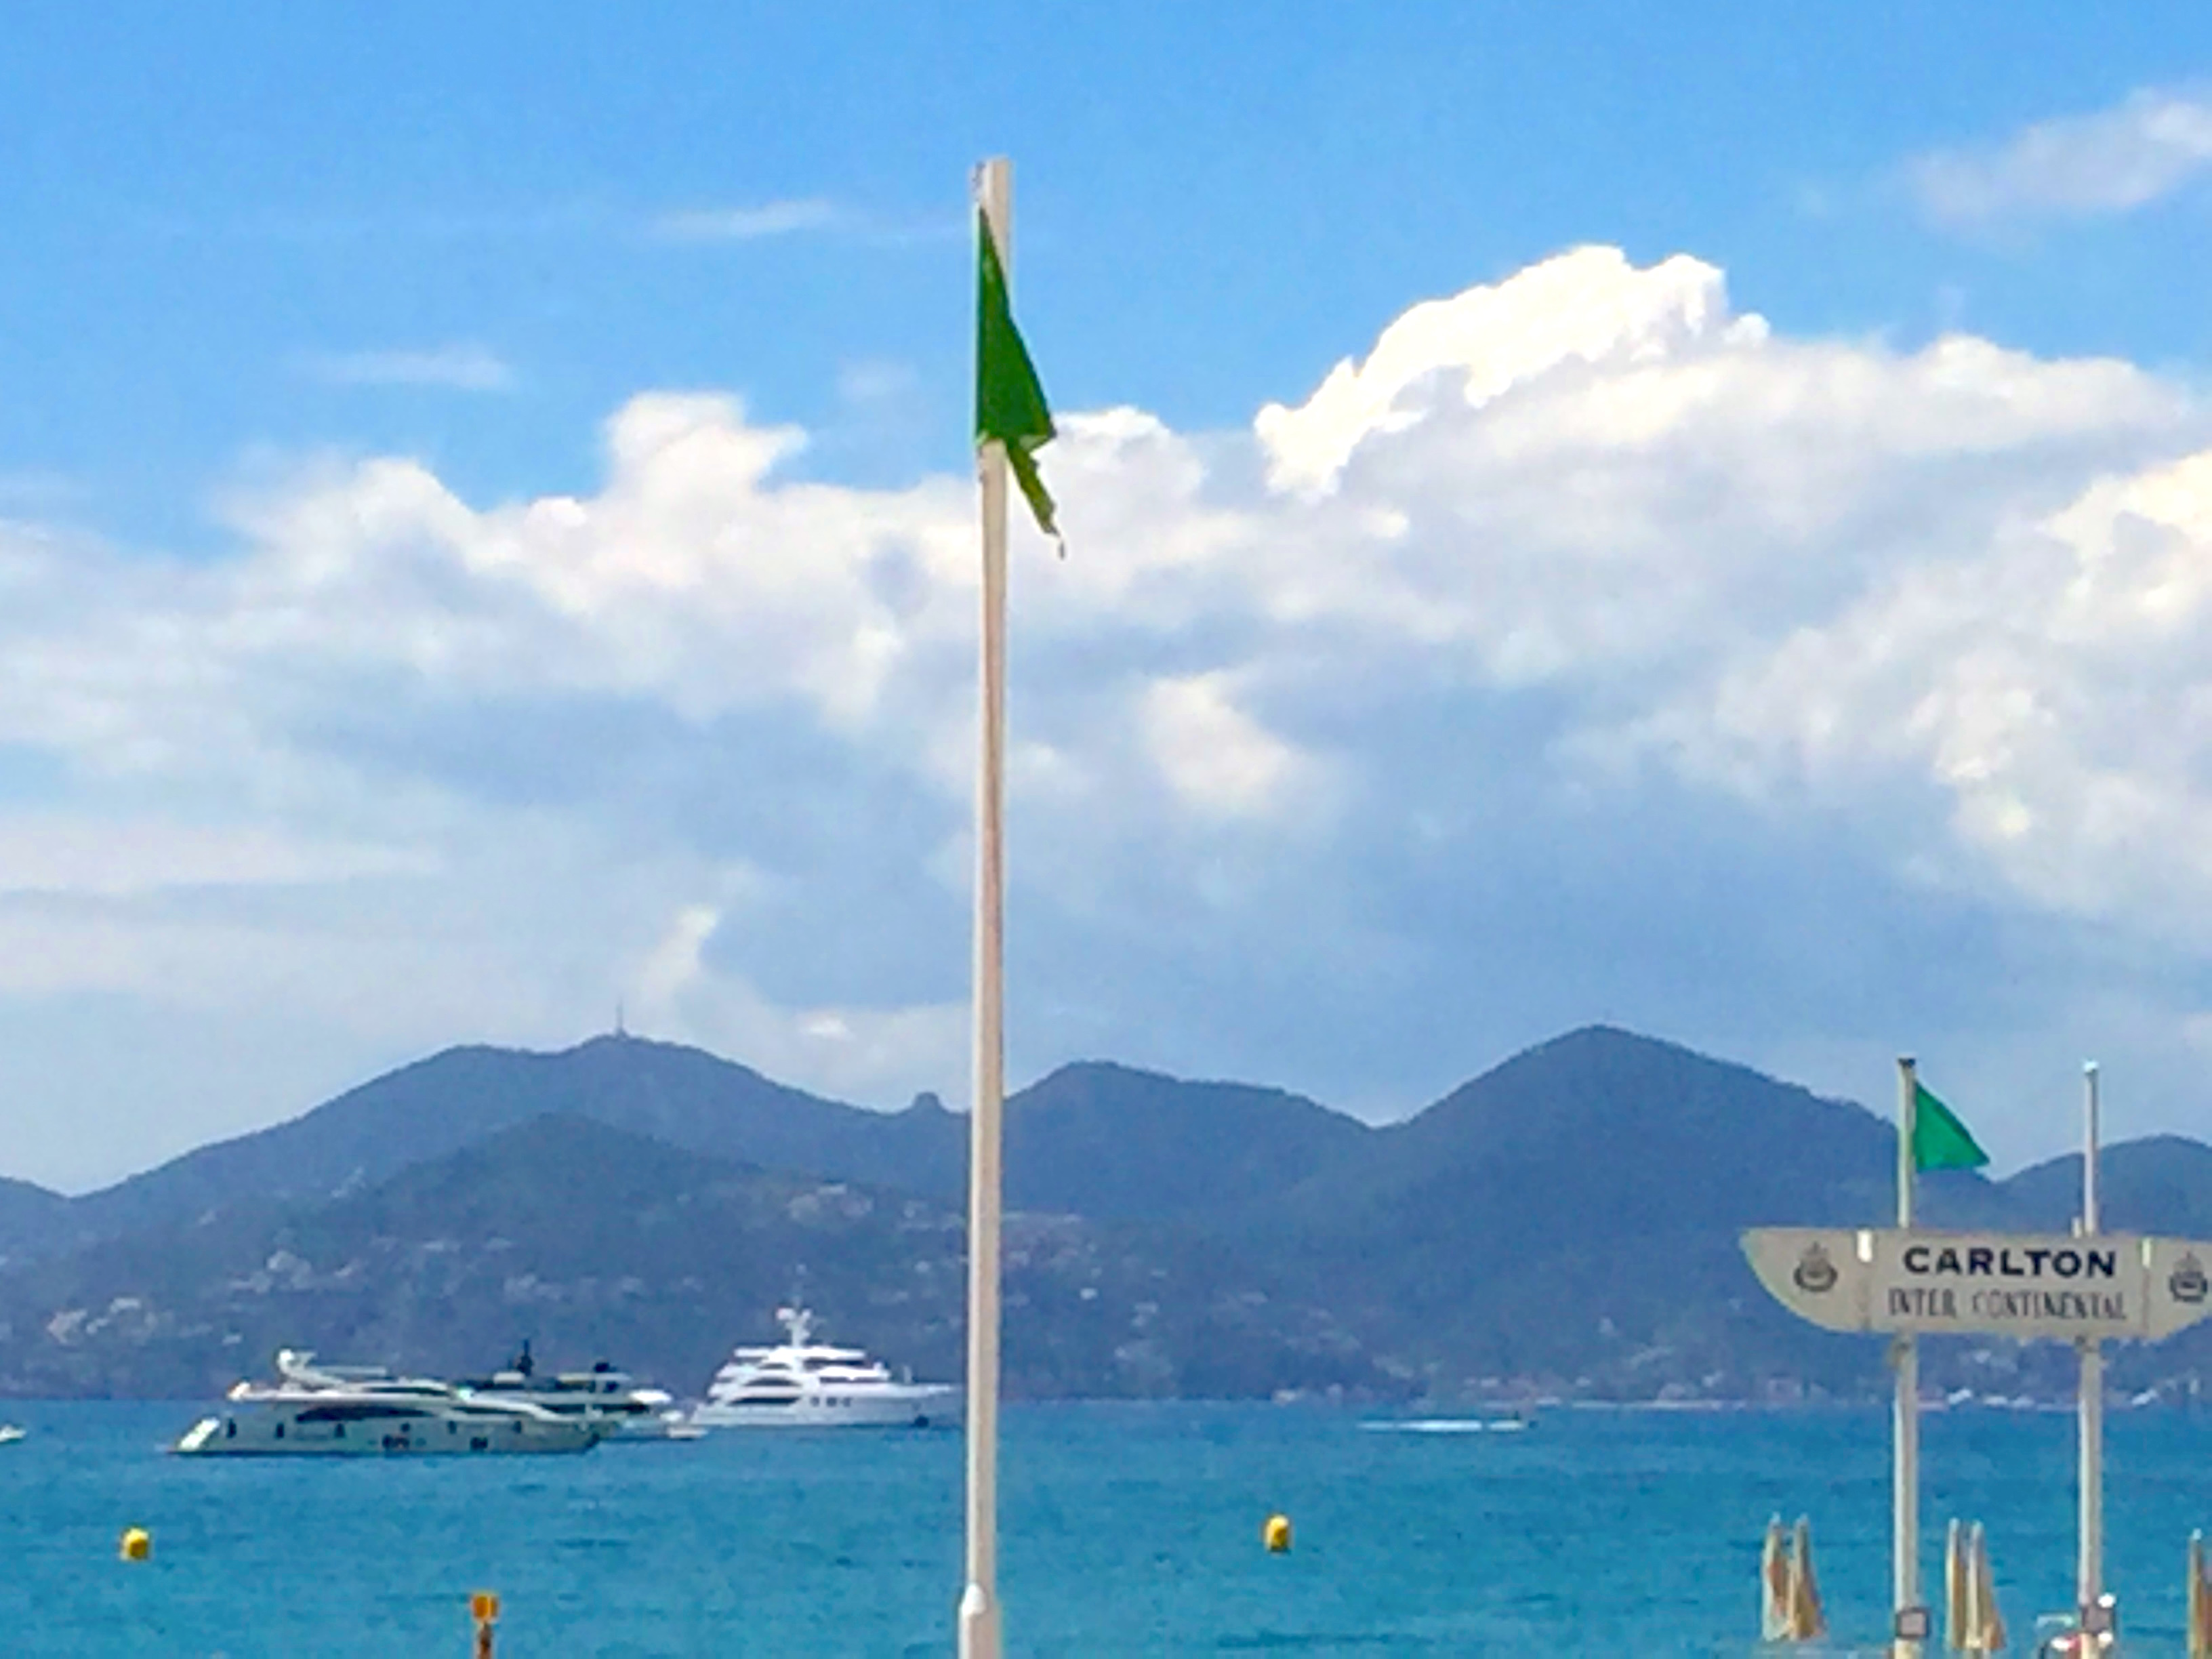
<point>801,1384</point>
<point>354,1411</point>
<point>609,1400</point>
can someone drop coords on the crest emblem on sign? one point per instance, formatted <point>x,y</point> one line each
<point>1816,1275</point>
<point>2187,1282</point>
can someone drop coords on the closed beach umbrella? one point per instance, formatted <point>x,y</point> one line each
<point>1988,1628</point>
<point>1774,1585</point>
<point>1806,1619</point>
<point>1956,1623</point>
<point>2200,1601</point>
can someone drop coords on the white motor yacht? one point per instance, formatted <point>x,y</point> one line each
<point>609,1400</point>
<point>801,1384</point>
<point>10,1433</point>
<point>353,1410</point>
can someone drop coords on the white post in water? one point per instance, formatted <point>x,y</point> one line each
<point>2092,1394</point>
<point>1910,1616</point>
<point>979,1600</point>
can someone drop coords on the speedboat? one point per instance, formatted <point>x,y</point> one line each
<point>10,1433</point>
<point>609,1400</point>
<point>357,1410</point>
<point>799,1383</point>
<point>1513,1424</point>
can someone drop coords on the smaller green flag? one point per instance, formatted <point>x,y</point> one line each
<point>1940,1141</point>
<point>1010,402</point>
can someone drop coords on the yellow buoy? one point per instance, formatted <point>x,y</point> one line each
<point>1276,1534</point>
<point>484,1608</point>
<point>137,1544</point>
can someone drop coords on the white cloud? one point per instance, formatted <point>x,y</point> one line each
<point>459,367</point>
<point>874,382</point>
<point>36,490</point>
<point>746,224</point>
<point>1586,651</point>
<point>1214,754</point>
<point>676,964</point>
<point>2050,686</point>
<point>2150,145</point>
<point>855,1052</point>
<point>1584,307</point>
<point>88,854</point>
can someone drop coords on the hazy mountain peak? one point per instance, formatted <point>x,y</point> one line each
<point>1568,1219</point>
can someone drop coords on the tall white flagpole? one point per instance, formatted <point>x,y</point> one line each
<point>979,1600</point>
<point>1905,1482</point>
<point>2091,1394</point>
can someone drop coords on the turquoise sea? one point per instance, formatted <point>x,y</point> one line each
<point>1129,1530</point>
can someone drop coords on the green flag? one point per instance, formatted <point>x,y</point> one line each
<point>1940,1141</point>
<point>1009,401</point>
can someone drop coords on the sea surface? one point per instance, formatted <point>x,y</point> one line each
<point>1128,1530</point>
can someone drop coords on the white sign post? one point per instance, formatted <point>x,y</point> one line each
<point>1909,1627</point>
<point>1904,1282</point>
<point>1908,1282</point>
<point>2089,1393</point>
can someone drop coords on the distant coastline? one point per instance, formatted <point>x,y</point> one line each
<point>652,1204</point>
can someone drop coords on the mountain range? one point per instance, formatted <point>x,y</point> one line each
<point>1565,1224</point>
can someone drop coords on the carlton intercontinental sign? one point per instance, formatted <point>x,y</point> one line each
<point>2107,1287</point>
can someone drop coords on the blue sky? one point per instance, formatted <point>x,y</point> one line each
<point>387,671</point>
<point>1215,202</point>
